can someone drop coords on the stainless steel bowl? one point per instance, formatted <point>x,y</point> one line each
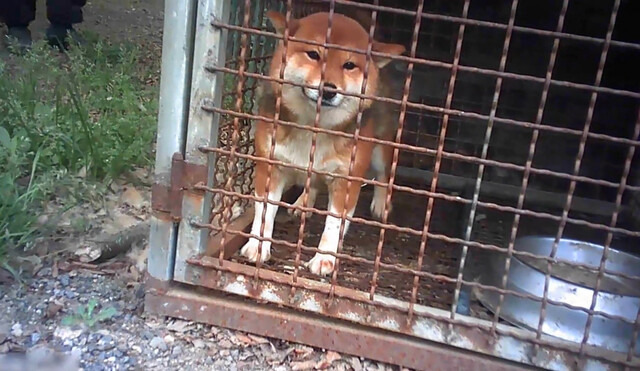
<point>618,296</point>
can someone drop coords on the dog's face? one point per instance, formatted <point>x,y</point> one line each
<point>344,71</point>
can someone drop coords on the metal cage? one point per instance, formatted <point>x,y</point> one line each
<point>518,118</point>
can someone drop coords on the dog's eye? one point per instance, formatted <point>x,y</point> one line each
<point>349,66</point>
<point>313,55</point>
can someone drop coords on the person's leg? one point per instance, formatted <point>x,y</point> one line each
<point>62,15</point>
<point>17,14</point>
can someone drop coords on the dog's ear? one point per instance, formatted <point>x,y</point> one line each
<point>393,49</point>
<point>278,20</point>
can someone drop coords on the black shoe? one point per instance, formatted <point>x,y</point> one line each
<point>19,38</point>
<point>59,35</point>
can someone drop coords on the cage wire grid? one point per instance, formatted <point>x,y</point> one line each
<point>374,258</point>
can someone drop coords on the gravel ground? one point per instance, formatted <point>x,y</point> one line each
<point>33,330</point>
<point>40,328</point>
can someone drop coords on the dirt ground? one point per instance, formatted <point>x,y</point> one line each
<point>40,328</point>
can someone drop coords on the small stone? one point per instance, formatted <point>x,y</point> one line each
<point>169,339</point>
<point>158,343</point>
<point>16,330</point>
<point>35,337</point>
<point>70,294</point>
<point>44,272</point>
<point>132,197</point>
<point>176,351</point>
<point>65,333</point>
<point>106,343</point>
<point>198,343</point>
<point>64,280</point>
<point>102,356</point>
<point>148,335</point>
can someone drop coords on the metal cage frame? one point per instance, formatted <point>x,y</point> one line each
<point>195,228</point>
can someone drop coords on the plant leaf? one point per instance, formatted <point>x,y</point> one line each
<point>68,320</point>
<point>93,303</point>
<point>106,314</point>
<point>5,138</point>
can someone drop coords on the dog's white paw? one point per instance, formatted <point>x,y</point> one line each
<point>251,251</point>
<point>377,206</point>
<point>322,264</point>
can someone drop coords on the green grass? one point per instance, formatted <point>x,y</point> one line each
<point>88,111</point>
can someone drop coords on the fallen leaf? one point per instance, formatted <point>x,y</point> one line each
<point>258,339</point>
<point>225,344</point>
<point>132,197</point>
<point>124,221</point>
<point>332,356</point>
<point>179,326</point>
<point>328,359</point>
<point>244,339</point>
<point>355,363</point>
<point>303,352</point>
<point>52,309</point>
<point>304,365</point>
<point>88,254</point>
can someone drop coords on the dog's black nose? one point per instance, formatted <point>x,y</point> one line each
<point>328,95</point>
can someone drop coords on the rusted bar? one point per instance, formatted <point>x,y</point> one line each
<point>272,145</point>
<point>502,192</point>
<point>476,191</point>
<point>285,45</point>
<point>532,148</point>
<point>436,170</point>
<point>356,136</point>
<point>231,160</point>
<point>341,336</point>
<point>426,107</point>
<point>432,63</point>
<point>396,152</point>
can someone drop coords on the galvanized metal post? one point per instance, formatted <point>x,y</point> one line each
<point>209,48</point>
<point>175,87</point>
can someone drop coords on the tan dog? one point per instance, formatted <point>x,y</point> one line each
<point>345,73</point>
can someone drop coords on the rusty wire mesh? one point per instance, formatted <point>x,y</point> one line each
<point>482,108</point>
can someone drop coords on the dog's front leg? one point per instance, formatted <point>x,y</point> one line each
<point>323,264</point>
<point>255,249</point>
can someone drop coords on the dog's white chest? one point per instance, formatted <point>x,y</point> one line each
<point>297,152</point>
